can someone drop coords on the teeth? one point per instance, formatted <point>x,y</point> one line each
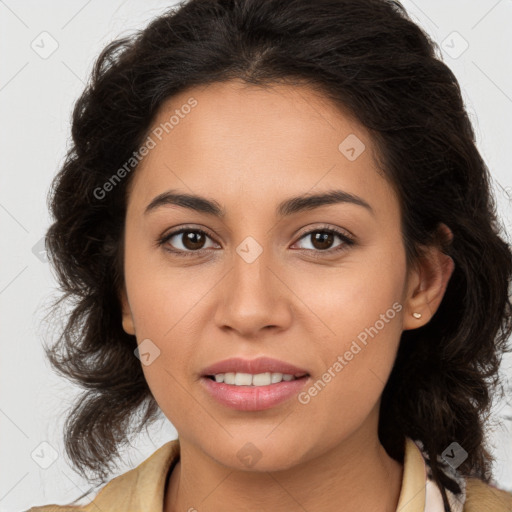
<point>247,379</point>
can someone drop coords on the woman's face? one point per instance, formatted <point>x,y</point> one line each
<point>257,284</point>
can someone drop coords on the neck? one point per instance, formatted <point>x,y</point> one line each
<point>357,474</point>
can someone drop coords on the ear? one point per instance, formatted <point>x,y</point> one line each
<point>128,322</point>
<point>427,282</point>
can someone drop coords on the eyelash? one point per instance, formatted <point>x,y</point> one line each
<point>347,241</point>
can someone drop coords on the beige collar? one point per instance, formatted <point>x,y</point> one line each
<point>412,492</point>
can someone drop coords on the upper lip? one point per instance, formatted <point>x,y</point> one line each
<point>253,366</point>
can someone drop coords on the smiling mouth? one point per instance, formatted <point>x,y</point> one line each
<point>260,379</point>
<point>246,392</point>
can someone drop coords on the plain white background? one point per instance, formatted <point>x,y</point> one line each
<point>37,92</point>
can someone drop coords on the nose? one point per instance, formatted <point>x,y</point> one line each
<point>253,295</point>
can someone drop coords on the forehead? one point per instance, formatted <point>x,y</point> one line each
<point>284,119</point>
<point>232,140</point>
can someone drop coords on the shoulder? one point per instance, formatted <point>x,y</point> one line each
<point>482,496</point>
<point>133,490</point>
<point>54,508</point>
<point>476,495</point>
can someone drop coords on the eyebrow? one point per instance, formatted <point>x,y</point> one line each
<point>286,208</point>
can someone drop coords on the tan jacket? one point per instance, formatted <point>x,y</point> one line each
<point>142,488</point>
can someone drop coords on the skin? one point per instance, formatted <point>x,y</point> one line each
<point>249,148</point>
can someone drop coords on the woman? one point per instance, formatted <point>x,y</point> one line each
<point>278,231</point>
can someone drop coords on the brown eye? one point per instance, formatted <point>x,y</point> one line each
<point>185,241</point>
<point>193,240</point>
<point>322,240</point>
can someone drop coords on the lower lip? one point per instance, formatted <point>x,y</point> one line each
<point>253,398</point>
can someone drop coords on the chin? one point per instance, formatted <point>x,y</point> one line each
<point>258,456</point>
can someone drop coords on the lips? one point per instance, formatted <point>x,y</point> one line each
<point>253,366</point>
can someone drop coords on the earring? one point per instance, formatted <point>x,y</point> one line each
<point>416,315</point>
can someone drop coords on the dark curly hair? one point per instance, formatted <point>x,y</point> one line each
<point>373,61</point>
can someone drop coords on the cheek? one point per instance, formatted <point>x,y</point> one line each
<point>357,363</point>
<point>341,302</point>
<point>167,304</point>
<point>358,319</point>
<point>159,291</point>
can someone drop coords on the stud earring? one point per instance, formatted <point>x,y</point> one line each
<point>416,315</point>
